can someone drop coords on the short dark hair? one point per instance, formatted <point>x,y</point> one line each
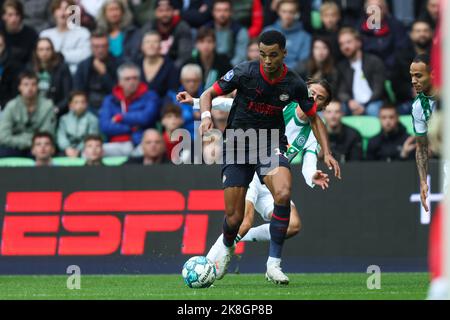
<point>43,134</point>
<point>324,84</point>
<point>77,93</point>
<point>294,2</point>
<point>16,5</point>
<point>93,137</point>
<point>205,32</point>
<point>424,58</point>
<point>388,106</point>
<point>99,34</point>
<point>171,108</point>
<point>350,30</point>
<point>420,21</point>
<point>57,3</point>
<point>272,37</point>
<point>222,1</point>
<point>27,74</point>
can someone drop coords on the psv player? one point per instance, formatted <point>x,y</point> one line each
<point>262,90</point>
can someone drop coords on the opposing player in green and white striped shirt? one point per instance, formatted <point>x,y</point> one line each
<point>422,110</point>
<point>303,143</point>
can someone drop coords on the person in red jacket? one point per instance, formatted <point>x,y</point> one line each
<point>127,112</point>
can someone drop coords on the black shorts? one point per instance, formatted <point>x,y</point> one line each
<point>238,174</point>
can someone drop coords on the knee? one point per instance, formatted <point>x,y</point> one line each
<point>234,220</point>
<point>282,196</point>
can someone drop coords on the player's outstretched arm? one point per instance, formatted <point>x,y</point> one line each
<point>313,176</point>
<point>422,167</point>
<point>321,134</point>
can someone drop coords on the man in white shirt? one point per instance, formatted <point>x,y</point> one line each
<point>361,77</point>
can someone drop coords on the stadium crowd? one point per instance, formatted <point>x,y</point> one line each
<point>108,88</point>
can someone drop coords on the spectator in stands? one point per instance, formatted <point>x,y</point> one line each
<point>253,50</point>
<point>298,41</point>
<point>214,65</point>
<point>249,14</point>
<point>55,80</point>
<point>321,64</point>
<point>127,112</point>
<point>232,38</point>
<point>158,71</point>
<point>97,74</point>
<point>421,38</point>
<point>430,13</point>
<point>386,40</point>
<point>116,20</point>
<point>171,120</point>
<point>393,142</point>
<point>351,11</point>
<point>76,125</point>
<point>72,42</point>
<point>191,82</point>
<point>9,69</point>
<point>153,150</point>
<point>176,38</point>
<point>144,10</point>
<point>330,15</point>
<point>361,77</point>
<point>43,148</point>
<point>197,12</point>
<point>23,116</point>
<point>345,142</point>
<point>37,14</point>
<point>93,150</point>
<point>20,38</point>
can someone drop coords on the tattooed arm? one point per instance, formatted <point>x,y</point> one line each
<point>422,167</point>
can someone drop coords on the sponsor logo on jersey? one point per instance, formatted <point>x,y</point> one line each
<point>229,76</point>
<point>284,97</point>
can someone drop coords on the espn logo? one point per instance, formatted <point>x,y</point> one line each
<point>99,223</point>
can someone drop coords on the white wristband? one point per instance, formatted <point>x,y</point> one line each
<point>206,114</point>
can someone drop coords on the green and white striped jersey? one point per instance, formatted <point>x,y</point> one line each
<point>422,109</point>
<point>299,134</point>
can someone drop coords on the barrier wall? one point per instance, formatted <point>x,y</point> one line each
<point>151,219</point>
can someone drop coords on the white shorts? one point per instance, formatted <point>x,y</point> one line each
<point>262,199</point>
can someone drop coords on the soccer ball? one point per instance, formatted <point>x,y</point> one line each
<point>199,272</point>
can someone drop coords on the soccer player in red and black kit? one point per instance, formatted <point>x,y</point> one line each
<point>263,89</point>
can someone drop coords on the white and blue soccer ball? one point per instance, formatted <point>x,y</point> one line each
<point>199,272</point>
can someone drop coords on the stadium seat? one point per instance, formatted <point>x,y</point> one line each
<point>407,122</point>
<point>390,91</point>
<point>114,161</point>
<point>16,162</point>
<point>68,162</point>
<point>316,21</point>
<point>367,126</point>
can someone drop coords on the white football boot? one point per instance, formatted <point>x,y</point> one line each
<point>223,259</point>
<point>275,275</point>
<point>213,252</point>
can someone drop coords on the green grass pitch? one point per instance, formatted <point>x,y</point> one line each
<point>339,286</point>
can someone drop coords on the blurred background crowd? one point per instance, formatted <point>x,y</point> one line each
<point>107,89</point>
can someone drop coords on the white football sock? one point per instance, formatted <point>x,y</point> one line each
<point>260,233</point>
<point>272,261</point>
